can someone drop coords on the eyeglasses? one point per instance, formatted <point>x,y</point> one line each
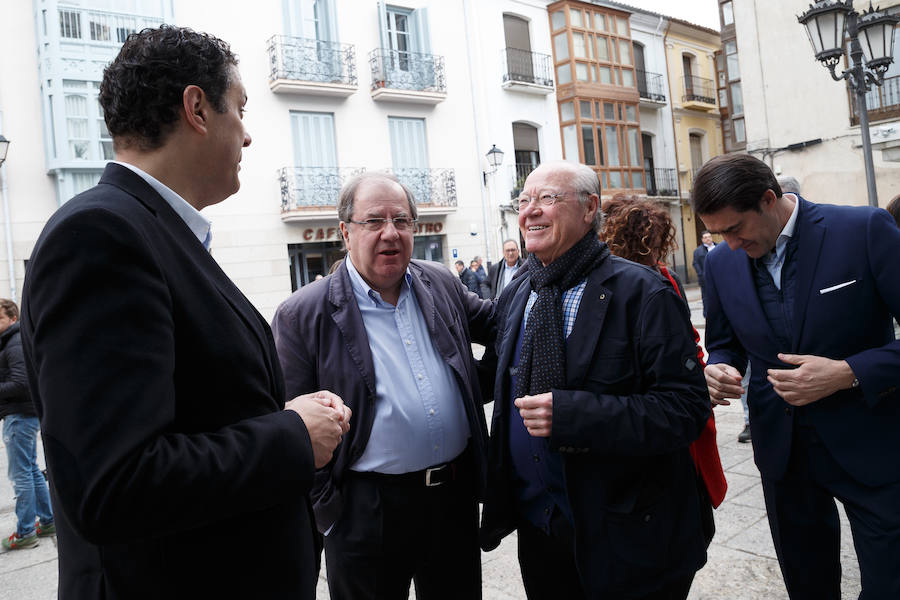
<point>544,200</point>
<point>400,223</point>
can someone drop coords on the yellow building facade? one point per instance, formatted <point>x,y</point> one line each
<point>690,61</point>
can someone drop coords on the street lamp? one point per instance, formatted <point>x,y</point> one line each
<point>7,227</point>
<point>4,148</point>
<point>871,50</point>
<point>495,157</point>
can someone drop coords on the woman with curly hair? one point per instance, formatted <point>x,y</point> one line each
<point>642,232</point>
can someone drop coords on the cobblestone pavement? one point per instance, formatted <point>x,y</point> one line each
<point>741,563</point>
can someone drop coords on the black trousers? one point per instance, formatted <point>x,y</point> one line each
<point>549,571</point>
<point>392,532</point>
<point>805,527</point>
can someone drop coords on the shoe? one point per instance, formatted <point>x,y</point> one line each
<point>44,530</point>
<point>14,542</point>
<point>744,436</point>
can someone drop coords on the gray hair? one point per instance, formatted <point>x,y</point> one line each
<point>789,185</point>
<point>584,181</point>
<point>508,240</point>
<point>348,193</point>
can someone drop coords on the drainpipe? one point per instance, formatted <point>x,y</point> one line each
<point>483,183</point>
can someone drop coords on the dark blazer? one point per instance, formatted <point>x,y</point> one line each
<point>848,286</point>
<point>633,401</point>
<point>173,469</point>
<point>495,273</point>
<point>322,344</point>
<point>700,253</point>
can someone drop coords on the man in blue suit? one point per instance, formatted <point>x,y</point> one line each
<point>806,292</point>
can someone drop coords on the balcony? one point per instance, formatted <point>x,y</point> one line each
<point>308,66</point>
<point>699,94</point>
<point>883,102</point>
<point>661,182</point>
<point>407,77</point>
<point>309,193</point>
<point>519,172</point>
<point>434,190</point>
<point>651,89</point>
<point>527,72</point>
<point>98,28</point>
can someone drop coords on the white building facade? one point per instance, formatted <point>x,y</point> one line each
<point>422,88</point>
<point>799,120</point>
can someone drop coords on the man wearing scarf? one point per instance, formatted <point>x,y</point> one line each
<point>597,396</point>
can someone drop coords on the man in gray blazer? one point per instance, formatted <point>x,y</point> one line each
<point>392,337</point>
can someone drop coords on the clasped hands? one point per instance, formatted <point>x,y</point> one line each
<point>326,417</point>
<point>815,377</point>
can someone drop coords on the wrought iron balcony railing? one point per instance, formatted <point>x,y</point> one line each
<point>527,67</point>
<point>432,187</point>
<point>407,70</point>
<point>661,182</point>
<point>303,59</point>
<point>99,26</point>
<point>699,89</point>
<point>882,101</point>
<point>319,187</point>
<point>520,172</point>
<point>650,86</point>
<point>313,187</point>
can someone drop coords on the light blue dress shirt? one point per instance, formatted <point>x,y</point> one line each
<point>420,420</point>
<point>508,273</point>
<point>774,261</point>
<point>197,223</point>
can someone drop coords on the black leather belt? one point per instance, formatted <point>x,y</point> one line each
<point>430,477</point>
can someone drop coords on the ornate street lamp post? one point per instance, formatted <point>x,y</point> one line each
<point>871,36</point>
<point>7,227</point>
<point>495,159</point>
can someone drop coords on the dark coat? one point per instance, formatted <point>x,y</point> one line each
<point>322,344</point>
<point>699,263</point>
<point>633,401</point>
<point>174,471</point>
<point>495,274</point>
<point>470,281</point>
<point>848,286</point>
<point>14,396</point>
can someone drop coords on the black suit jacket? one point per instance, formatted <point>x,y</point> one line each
<point>634,399</point>
<point>174,471</point>
<point>322,344</point>
<point>495,275</point>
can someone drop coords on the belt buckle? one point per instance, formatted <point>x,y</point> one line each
<point>428,473</point>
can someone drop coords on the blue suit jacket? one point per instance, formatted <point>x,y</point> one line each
<point>848,284</point>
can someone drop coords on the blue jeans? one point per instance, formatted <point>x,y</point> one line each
<point>32,495</point>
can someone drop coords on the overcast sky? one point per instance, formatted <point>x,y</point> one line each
<point>701,12</point>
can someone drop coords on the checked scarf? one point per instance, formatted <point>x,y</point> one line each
<point>542,358</point>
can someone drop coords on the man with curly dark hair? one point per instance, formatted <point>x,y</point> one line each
<point>177,467</point>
